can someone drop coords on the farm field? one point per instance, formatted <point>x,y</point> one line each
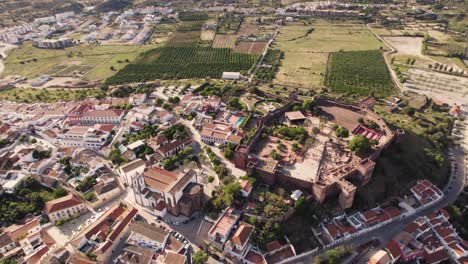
<point>250,47</point>
<point>328,37</point>
<point>207,35</point>
<point>306,49</point>
<point>183,62</point>
<point>302,69</point>
<point>359,72</point>
<point>94,61</point>
<point>248,29</point>
<point>183,38</point>
<point>224,41</point>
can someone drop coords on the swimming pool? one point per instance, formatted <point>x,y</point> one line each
<point>239,122</point>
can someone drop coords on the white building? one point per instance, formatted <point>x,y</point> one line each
<point>62,16</point>
<point>111,116</point>
<point>44,20</point>
<point>231,75</point>
<point>64,207</point>
<point>82,136</point>
<point>130,170</point>
<point>145,235</point>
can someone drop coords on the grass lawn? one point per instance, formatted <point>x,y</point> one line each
<point>31,62</point>
<point>306,51</point>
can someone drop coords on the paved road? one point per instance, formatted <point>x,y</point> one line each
<point>451,191</point>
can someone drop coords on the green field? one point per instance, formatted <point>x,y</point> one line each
<point>94,61</point>
<point>183,62</point>
<point>31,95</point>
<point>359,72</point>
<point>306,47</point>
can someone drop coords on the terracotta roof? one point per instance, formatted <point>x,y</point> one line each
<point>133,165</point>
<point>149,231</point>
<point>273,245</point>
<point>5,239</point>
<point>103,113</point>
<point>281,254</point>
<point>392,211</point>
<point>394,249</point>
<point>173,145</point>
<point>242,234</point>
<point>255,257</point>
<point>62,203</point>
<point>124,223</point>
<point>174,258</point>
<point>167,181</point>
<point>37,255</point>
<point>20,231</point>
<point>246,185</point>
<point>295,115</point>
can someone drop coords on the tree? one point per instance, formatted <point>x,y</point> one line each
<point>307,105</point>
<point>200,257</point>
<point>60,192</point>
<point>294,147</point>
<point>410,111</point>
<point>275,155</point>
<point>359,144</point>
<point>159,101</point>
<point>234,103</point>
<point>211,179</point>
<point>115,157</point>
<point>174,100</point>
<point>342,132</point>
<point>228,154</point>
<point>333,256</point>
<point>89,196</point>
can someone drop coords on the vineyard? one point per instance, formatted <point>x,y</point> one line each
<point>183,62</point>
<point>271,64</point>
<point>359,72</point>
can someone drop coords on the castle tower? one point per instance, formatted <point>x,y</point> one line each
<point>366,169</point>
